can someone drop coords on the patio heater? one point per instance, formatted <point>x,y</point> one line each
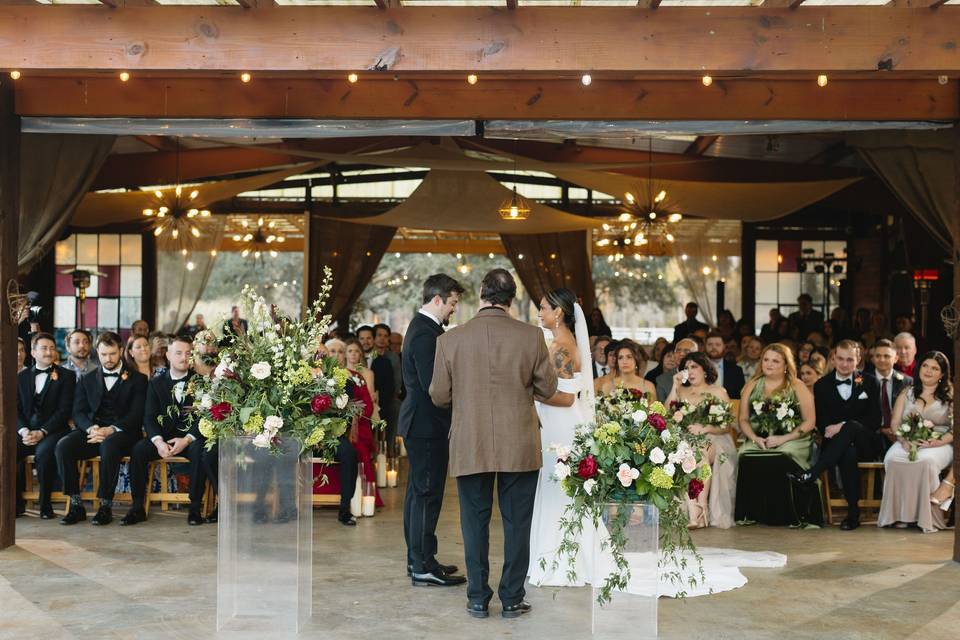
<point>923,280</point>
<point>81,280</point>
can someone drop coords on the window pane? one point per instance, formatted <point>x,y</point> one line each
<point>813,248</point>
<point>107,312</point>
<point>63,282</point>
<point>813,284</point>
<point>131,249</point>
<point>129,311</point>
<point>131,282</point>
<point>789,252</point>
<point>109,248</point>
<point>767,289</point>
<point>64,312</point>
<point>109,283</point>
<point>761,316</point>
<point>767,255</point>
<point>87,248</point>
<point>789,287</point>
<point>837,247</point>
<point>66,251</point>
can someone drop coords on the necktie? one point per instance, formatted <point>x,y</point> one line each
<point>885,403</point>
<point>39,371</point>
<point>843,382</point>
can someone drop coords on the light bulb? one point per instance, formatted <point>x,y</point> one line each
<point>192,213</point>
<point>245,77</point>
<point>281,239</point>
<point>256,254</point>
<point>822,80</point>
<point>675,217</point>
<point>245,253</point>
<point>195,232</point>
<point>670,238</point>
<point>625,217</point>
<point>183,252</point>
<point>652,215</point>
<point>472,78</point>
<point>248,237</point>
<point>124,76</point>
<point>260,221</point>
<point>175,234</point>
<point>158,231</point>
<point>520,256</point>
<point>158,193</point>
<point>706,80</point>
<point>148,212</point>
<point>237,237</point>
<point>190,266</point>
<point>213,252</point>
<point>586,79</point>
<point>14,75</point>
<point>629,197</point>
<point>352,78</point>
<point>513,211</point>
<point>194,194</point>
<point>706,271</point>
<point>661,196</point>
<point>205,213</point>
<point>273,254</point>
<point>178,191</point>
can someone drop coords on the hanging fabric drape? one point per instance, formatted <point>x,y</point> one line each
<point>353,251</point>
<point>180,287</point>
<point>918,167</point>
<point>546,261</point>
<point>56,172</point>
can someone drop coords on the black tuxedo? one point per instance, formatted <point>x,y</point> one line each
<point>93,404</point>
<point>47,411</point>
<point>687,327</point>
<point>733,379</point>
<point>425,428</point>
<point>158,423</point>
<point>856,439</point>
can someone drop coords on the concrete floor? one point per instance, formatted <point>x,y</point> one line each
<point>158,580</point>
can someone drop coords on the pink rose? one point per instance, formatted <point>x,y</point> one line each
<point>678,416</point>
<point>688,464</point>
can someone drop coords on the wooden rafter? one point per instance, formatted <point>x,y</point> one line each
<point>699,146</point>
<point>782,4</point>
<point>917,4</point>
<point>110,3</point>
<point>648,4</point>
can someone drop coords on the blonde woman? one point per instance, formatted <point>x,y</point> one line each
<point>357,362</point>
<point>763,492</point>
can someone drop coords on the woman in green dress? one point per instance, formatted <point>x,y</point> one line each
<point>763,492</point>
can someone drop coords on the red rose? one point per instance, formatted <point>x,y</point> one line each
<point>320,403</point>
<point>675,405</point>
<point>220,410</point>
<point>657,422</point>
<point>694,488</point>
<point>638,394</point>
<point>587,468</point>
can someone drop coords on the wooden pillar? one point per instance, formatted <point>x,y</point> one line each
<point>9,230</point>
<point>956,342</point>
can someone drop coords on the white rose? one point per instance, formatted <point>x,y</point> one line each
<point>561,471</point>
<point>273,424</point>
<point>263,440</point>
<point>342,401</point>
<point>260,371</point>
<point>221,369</point>
<point>657,456</point>
<point>757,407</point>
<point>206,401</point>
<point>589,485</point>
<point>563,452</point>
<point>331,383</point>
<point>905,428</point>
<point>781,412</point>
<point>666,436</point>
<point>639,416</point>
<point>627,474</point>
<point>928,424</point>
<point>669,469</point>
<point>688,465</point>
<point>716,410</point>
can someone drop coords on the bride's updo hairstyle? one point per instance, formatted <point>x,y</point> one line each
<point>564,300</point>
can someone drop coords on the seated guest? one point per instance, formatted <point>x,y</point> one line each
<point>159,343</point>
<point>729,375</point>
<point>805,319</point>
<point>140,329</point>
<point>892,383</point>
<point>79,361</point>
<point>236,325</point>
<point>610,355</point>
<point>810,372</point>
<point>658,346</point>
<point>108,413</point>
<point>44,402</point>
<point>689,325</point>
<point>170,435</point>
<point>719,490</point>
<point>750,356</point>
<point>396,342</point>
<point>732,349</point>
<point>768,332</point>
<point>803,354</point>
<point>597,326</point>
<point>907,485</point>
<point>21,355</point>
<point>599,361</point>
<point>763,493</point>
<point>631,362</point>
<point>848,418</point>
<point>136,355</point>
<point>664,361</point>
<point>906,346</point>
<point>665,380</point>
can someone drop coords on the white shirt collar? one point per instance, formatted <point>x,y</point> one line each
<point>117,370</point>
<point>840,377</point>
<point>431,316</point>
<point>889,376</point>
<point>181,378</point>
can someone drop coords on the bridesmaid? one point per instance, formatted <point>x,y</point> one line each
<point>908,485</point>
<point>358,363</point>
<point>631,363</point>
<point>719,492</point>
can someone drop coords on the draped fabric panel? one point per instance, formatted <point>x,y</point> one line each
<point>180,288</point>
<point>917,166</point>
<point>55,173</point>
<point>553,260</point>
<point>353,251</point>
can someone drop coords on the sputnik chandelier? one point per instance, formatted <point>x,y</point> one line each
<point>260,239</point>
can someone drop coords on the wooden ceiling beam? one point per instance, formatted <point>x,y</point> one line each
<point>781,4</point>
<point>917,4</point>
<point>511,4</point>
<point>883,97</point>
<point>648,4</point>
<point>823,39</point>
<point>699,146</point>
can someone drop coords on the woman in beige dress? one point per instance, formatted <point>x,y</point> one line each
<point>715,503</point>
<point>631,365</point>
<point>907,485</point>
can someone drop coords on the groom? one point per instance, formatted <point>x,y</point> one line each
<point>494,367</point>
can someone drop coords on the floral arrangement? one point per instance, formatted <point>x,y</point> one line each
<point>776,416</point>
<point>270,384</point>
<point>711,411</point>
<point>633,452</point>
<point>915,429</point>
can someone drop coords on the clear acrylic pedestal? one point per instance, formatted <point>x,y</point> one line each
<point>631,613</point>
<point>265,538</point>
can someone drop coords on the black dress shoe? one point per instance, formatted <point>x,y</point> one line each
<point>213,517</point>
<point>75,515</point>
<point>436,579</point>
<point>478,609</point>
<point>194,518</point>
<point>21,508</point>
<point>46,512</point>
<point>849,525</point>
<point>134,516</point>
<point>347,520</point>
<point>801,477</point>
<point>104,516</point>
<point>448,569</point>
<point>516,610</point>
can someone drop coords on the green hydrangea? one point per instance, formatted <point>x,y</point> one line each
<point>657,407</point>
<point>607,433</point>
<point>206,428</point>
<point>341,376</point>
<point>254,425</point>
<point>302,375</point>
<point>315,437</point>
<point>660,479</point>
<point>704,472</point>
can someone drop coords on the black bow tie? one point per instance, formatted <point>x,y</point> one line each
<point>847,381</point>
<point>39,371</point>
<point>111,375</point>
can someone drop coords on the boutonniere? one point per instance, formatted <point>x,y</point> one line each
<point>858,380</point>
<point>897,375</point>
<point>124,376</point>
<point>54,375</point>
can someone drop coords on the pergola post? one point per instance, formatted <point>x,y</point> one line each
<point>9,231</point>
<point>956,342</point>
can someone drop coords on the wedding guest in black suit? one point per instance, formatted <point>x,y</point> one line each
<point>425,428</point>
<point>600,366</point>
<point>729,373</point>
<point>108,413</point>
<point>806,319</point>
<point>848,418</point>
<point>44,403</point>
<point>383,375</point>
<point>169,434</point>
<point>689,325</point>
<point>892,382</point>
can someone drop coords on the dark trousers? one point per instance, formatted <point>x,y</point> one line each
<point>853,443</point>
<point>145,452</point>
<point>74,447</point>
<point>44,460</point>
<point>347,457</point>
<point>428,458</point>
<point>516,491</point>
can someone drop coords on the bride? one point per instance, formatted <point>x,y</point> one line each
<point>569,351</point>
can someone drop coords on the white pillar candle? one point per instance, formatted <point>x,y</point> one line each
<point>356,506</point>
<point>369,505</point>
<point>381,470</point>
<point>391,478</point>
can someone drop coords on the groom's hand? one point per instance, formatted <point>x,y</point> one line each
<point>562,399</point>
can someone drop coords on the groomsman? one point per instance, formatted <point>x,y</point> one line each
<point>169,434</point>
<point>44,402</point>
<point>108,413</point>
<point>848,418</point>
<point>892,382</point>
<point>425,428</point>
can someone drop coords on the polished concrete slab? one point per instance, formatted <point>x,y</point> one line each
<point>158,580</point>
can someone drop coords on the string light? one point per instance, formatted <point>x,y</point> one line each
<point>822,80</point>
<point>352,78</point>
<point>15,75</point>
<point>245,77</point>
<point>472,78</point>
<point>124,76</point>
<point>586,79</point>
<point>706,80</point>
